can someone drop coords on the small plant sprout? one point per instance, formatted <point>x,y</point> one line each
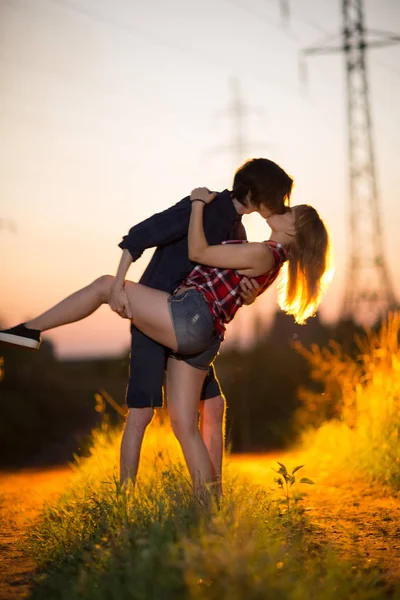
<point>285,482</point>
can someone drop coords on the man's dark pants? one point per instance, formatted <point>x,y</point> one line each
<point>147,365</point>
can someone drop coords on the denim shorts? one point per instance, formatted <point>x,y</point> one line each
<point>198,343</point>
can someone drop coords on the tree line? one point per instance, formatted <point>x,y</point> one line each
<point>48,406</point>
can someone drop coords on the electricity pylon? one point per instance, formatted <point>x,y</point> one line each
<point>368,288</point>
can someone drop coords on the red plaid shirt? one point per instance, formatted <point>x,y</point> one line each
<point>221,287</point>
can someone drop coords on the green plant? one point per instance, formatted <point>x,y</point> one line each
<point>285,482</point>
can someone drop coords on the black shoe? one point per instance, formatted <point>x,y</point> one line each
<point>21,336</point>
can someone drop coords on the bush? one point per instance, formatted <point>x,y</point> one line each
<point>361,401</point>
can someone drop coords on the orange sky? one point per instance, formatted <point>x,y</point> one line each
<point>109,114</point>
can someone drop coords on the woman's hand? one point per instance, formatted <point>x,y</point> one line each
<point>203,194</point>
<point>119,301</point>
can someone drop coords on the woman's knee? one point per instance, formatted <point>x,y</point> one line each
<point>183,427</point>
<point>103,286</point>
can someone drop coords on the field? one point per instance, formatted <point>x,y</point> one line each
<point>335,535</point>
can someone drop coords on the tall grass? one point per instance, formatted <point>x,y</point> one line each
<point>101,542</point>
<point>358,413</point>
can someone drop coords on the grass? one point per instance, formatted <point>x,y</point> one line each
<point>358,413</point>
<point>99,542</point>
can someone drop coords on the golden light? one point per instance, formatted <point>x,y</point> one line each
<point>256,227</point>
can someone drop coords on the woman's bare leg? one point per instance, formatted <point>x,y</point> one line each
<point>184,384</point>
<point>149,309</point>
<point>75,307</point>
<point>212,429</point>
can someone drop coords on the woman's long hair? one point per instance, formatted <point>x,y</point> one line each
<point>309,268</point>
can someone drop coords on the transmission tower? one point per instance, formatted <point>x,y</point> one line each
<point>238,110</point>
<point>241,149</point>
<point>368,289</point>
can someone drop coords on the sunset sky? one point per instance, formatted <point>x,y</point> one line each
<point>110,112</point>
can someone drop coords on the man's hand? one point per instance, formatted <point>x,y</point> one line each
<point>119,302</point>
<point>249,290</point>
<point>202,194</point>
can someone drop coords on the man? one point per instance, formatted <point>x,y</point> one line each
<point>259,185</point>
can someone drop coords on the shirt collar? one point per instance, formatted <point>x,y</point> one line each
<point>226,201</point>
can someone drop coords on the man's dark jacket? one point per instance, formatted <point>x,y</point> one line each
<point>168,230</point>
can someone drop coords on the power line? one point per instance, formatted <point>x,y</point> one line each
<point>260,16</point>
<point>318,27</point>
<point>132,30</point>
<point>328,36</point>
<point>301,19</point>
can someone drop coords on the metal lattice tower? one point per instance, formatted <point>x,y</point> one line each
<point>368,289</point>
<point>238,111</point>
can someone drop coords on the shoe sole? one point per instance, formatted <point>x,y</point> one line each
<point>17,340</point>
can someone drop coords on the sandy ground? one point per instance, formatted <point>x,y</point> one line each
<point>22,495</point>
<point>361,521</point>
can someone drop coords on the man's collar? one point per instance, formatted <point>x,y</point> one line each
<point>226,200</point>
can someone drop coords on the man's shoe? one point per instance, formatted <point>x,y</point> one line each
<point>21,336</point>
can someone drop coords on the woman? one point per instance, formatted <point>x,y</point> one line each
<point>192,321</point>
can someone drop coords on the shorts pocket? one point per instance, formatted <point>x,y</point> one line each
<point>179,298</point>
<point>199,324</point>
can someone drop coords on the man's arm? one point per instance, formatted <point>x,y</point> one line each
<point>119,302</point>
<point>160,229</point>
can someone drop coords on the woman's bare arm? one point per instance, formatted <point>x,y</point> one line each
<point>255,256</point>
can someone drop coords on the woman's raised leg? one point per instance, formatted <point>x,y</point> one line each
<point>184,384</point>
<point>149,307</point>
<point>75,307</point>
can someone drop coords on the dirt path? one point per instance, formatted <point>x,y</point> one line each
<point>22,495</point>
<point>361,521</point>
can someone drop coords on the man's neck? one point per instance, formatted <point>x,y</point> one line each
<point>240,209</point>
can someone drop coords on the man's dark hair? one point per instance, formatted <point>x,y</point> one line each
<point>267,183</point>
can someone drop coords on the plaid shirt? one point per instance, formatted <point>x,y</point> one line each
<point>221,287</point>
